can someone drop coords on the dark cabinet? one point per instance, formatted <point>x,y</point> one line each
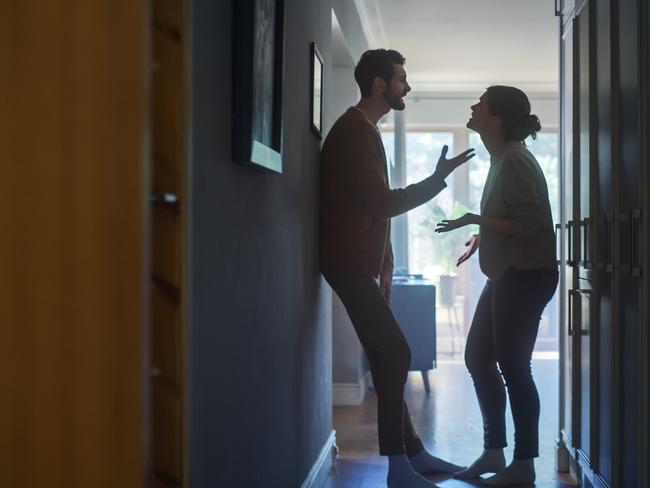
<point>605,133</point>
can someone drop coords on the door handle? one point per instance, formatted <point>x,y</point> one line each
<point>165,198</point>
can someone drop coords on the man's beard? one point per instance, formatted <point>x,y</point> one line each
<point>394,101</point>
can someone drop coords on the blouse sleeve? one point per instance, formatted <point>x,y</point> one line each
<point>521,196</point>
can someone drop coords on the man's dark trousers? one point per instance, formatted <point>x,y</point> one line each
<point>389,356</point>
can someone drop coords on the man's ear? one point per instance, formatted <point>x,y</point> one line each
<point>379,84</point>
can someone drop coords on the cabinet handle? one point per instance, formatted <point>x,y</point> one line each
<point>587,294</point>
<point>569,237</point>
<point>626,247</point>
<point>636,239</point>
<point>608,245</point>
<point>558,8</point>
<point>558,240</point>
<point>586,243</point>
<point>572,295</point>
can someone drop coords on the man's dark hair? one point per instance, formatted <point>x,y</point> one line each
<point>513,106</point>
<point>374,63</point>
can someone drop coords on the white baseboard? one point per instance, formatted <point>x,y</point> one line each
<point>321,467</point>
<point>350,394</point>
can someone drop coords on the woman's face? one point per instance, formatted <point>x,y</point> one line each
<point>481,118</point>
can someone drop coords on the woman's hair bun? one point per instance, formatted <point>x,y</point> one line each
<point>534,125</point>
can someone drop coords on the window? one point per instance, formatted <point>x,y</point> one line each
<point>434,255</point>
<point>425,254</point>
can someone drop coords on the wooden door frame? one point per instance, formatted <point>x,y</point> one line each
<point>186,244</point>
<point>185,39</point>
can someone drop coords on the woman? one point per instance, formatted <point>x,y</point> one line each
<point>516,246</point>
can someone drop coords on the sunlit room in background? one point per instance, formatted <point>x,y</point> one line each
<point>432,256</point>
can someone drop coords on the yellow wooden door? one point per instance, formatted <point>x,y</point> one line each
<point>74,245</point>
<point>169,228</point>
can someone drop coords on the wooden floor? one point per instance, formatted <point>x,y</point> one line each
<point>449,422</point>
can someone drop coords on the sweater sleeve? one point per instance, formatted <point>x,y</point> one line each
<point>364,166</point>
<point>523,202</point>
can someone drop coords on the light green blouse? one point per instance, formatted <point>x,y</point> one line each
<point>516,189</point>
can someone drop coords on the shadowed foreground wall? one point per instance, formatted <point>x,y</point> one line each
<point>260,401</point>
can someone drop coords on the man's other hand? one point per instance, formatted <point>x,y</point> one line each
<point>386,281</point>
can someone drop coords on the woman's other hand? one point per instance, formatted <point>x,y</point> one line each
<point>472,246</point>
<point>447,225</point>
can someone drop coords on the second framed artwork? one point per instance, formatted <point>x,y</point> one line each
<point>316,92</point>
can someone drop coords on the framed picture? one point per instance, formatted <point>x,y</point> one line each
<point>316,92</point>
<point>258,49</point>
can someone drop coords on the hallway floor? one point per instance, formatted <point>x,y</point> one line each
<point>449,423</point>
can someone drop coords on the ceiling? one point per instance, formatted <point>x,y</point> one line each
<point>466,45</point>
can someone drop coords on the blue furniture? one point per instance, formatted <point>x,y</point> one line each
<point>413,301</point>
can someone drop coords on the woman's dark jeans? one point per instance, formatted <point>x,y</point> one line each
<point>503,332</point>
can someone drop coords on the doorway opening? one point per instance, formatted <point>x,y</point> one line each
<point>449,64</point>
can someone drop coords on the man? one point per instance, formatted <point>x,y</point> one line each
<point>356,207</point>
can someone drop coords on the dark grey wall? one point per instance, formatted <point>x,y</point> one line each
<point>260,314</point>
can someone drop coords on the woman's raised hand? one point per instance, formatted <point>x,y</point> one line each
<point>446,166</point>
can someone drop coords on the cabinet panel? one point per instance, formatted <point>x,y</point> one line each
<point>603,249</point>
<point>605,124</point>
<point>568,417</point>
<point>583,324</point>
<point>584,202</point>
<point>628,169</point>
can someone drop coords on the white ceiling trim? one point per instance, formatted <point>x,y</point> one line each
<point>341,55</point>
<point>430,87</point>
<point>416,95</point>
<point>372,22</point>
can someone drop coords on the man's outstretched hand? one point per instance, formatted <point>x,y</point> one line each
<point>446,166</point>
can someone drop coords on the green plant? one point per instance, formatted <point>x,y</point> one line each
<point>448,246</point>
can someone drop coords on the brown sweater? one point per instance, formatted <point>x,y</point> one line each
<point>356,203</point>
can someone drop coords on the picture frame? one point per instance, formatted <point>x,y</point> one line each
<point>258,73</point>
<point>316,92</point>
